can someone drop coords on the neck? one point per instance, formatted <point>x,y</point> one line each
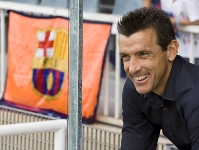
<point>160,90</point>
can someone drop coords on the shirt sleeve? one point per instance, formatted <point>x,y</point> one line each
<point>192,117</point>
<point>138,133</point>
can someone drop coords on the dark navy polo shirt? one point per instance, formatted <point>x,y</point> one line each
<point>176,113</point>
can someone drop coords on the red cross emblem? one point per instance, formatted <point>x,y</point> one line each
<point>47,43</point>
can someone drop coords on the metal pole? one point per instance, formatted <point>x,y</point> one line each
<point>59,139</point>
<point>191,60</point>
<point>2,52</point>
<point>117,80</point>
<point>75,74</point>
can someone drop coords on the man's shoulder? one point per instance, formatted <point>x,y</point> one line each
<point>188,70</point>
<point>186,82</point>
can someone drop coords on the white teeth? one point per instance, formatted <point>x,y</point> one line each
<point>139,78</point>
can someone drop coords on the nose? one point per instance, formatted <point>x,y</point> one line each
<point>134,65</point>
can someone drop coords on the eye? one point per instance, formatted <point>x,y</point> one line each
<point>143,54</point>
<point>125,57</point>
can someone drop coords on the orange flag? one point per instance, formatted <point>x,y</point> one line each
<point>37,77</point>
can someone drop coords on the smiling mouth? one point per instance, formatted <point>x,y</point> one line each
<point>140,78</point>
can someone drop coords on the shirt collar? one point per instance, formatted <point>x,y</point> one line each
<point>148,95</point>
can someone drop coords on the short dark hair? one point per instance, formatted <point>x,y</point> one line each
<point>145,18</point>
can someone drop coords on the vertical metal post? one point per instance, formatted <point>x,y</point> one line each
<point>106,87</point>
<point>75,74</point>
<point>191,58</point>
<point>59,139</point>
<point>117,80</point>
<point>2,52</point>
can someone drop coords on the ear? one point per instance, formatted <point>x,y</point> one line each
<point>172,50</point>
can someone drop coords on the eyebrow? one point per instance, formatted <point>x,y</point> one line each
<point>121,53</point>
<point>148,51</point>
<point>136,53</point>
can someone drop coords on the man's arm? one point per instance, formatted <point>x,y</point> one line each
<point>191,9</point>
<point>138,133</point>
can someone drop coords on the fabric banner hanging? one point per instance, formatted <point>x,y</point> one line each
<point>37,76</point>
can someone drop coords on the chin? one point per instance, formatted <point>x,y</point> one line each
<point>142,91</point>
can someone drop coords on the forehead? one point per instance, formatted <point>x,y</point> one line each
<point>141,40</point>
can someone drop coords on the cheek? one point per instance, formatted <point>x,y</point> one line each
<point>160,68</point>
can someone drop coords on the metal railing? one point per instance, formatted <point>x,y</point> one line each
<point>57,126</point>
<point>93,138</point>
<point>109,106</point>
<point>192,29</point>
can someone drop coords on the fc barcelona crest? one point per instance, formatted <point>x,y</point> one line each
<point>50,63</point>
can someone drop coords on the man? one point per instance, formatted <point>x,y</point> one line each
<point>162,89</point>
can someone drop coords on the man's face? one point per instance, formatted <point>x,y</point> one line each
<point>144,61</point>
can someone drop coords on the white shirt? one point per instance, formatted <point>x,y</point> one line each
<point>187,9</point>
<point>166,5</point>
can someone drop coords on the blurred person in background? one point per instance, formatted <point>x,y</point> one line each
<point>162,89</point>
<point>181,12</point>
<point>186,12</point>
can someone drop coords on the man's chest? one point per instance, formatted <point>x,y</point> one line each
<point>165,115</point>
